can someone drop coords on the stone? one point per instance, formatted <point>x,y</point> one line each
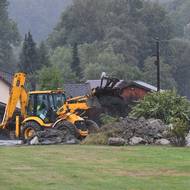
<point>162,142</point>
<point>136,141</point>
<point>72,141</point>
<point>116,141</point>
<point>188,140</point>
<point>34,141</point>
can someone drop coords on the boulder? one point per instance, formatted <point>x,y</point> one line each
<point>188,140</point>
<point>72,141</point>
<point>34,141</point>
<point>162,142</point>
<point>116,141</point>
<point>52,136</point>
<point>136,141</point>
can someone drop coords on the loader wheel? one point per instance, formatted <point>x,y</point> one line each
<point>29,130</point>
<point>92,126</point>
<point>68,129</point>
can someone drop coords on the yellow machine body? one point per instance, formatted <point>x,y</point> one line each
<point>67,111</point>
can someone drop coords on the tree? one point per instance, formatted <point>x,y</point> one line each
<point>60,66</point>
<point>50,78</point>
<point>62,58</point>
<point>108,61</point>
<point>29,59</point>
<point>177,56</point>
<point>9,37</point>
<point>43,55</point>
<point>150,73</point>
<point>75,64</point>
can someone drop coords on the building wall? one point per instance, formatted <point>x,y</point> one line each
<point>4,92</point>
<point>133,93</point>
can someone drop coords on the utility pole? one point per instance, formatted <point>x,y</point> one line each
<point>158,63</point>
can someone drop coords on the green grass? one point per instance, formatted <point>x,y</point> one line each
<point>94,168</point>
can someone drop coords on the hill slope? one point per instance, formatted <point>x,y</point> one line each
<point>38,16</point>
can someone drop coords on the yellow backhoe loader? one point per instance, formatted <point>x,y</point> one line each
<point>45,109</point>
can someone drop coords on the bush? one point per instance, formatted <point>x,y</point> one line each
<point>107,119</point>
<point>101,138</point>
<point>178,132</point>
<point>166,106</point>
<point>170,108</point>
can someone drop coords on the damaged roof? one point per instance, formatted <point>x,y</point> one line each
<point>139,84</point>
<point>97,83</point>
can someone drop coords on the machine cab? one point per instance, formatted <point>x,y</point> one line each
<point>44,104</point>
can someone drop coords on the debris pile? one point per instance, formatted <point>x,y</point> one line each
<point>52,136</point>
<point>132,131</point>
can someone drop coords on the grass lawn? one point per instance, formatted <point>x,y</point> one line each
<point>83,167</point>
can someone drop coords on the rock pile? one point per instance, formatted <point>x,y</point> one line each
<point>137,131</point>
<point>52,136</point>
<point>128,131</point>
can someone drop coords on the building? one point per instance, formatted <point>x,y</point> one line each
<point>73,90</point>
<point>97,83</point>
<point>5,83</point>
<point>135,90</point>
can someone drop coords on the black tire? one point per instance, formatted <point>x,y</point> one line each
<point>92,126</point>
<point>27,127</point>
<point>68,128</point>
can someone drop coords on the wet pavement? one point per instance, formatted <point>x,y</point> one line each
<point>10,142</point>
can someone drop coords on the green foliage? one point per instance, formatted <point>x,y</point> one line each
<point>179,131</point>
<point>166,106</point>
<point>75,64</point>
<point>179,13</point>
<point>59,70</point>
<point>170,108</point>
<point>114,36</point>
<point>29,59</point>
<point>96,59</point>
<point>43,54</point>
<point>62,58</point>
<point>50,78</point>
<point>96,139</point>
<point>150,73</point>
<point>177,55</point>
<point>9,37</point>
<point>107,119</point>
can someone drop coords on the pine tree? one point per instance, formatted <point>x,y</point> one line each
<point>9,36</point>
<point>29,59</point>
<point>43,55</point>
<point>75,64</point>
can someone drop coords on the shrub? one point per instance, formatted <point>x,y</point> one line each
<point>107,119</point>
<point>166,106</point>
<point>178,132</point>
<point>170,108</point>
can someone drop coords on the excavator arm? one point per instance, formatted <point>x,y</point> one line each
<point>17,93</point>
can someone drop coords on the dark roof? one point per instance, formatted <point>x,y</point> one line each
<point>77,89</point>
<point>6,77</point>
<point>138,83</point>
<point>97,83</point>
<point>94,83</point>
